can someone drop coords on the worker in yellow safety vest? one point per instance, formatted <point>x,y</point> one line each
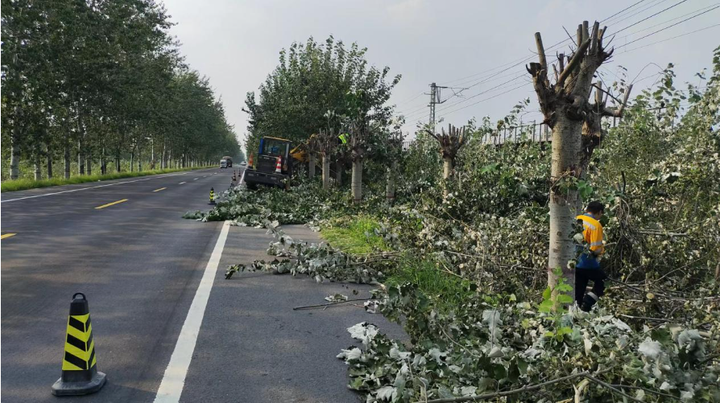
<point>588,265</point>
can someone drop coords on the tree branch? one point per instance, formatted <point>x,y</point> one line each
<point>509,392</point>
<point>618,112</point>
<point>574,62</point>
<point>541,51</point>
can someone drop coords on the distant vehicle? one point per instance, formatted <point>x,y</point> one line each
<point>223,163</point>
<point>228,161</point>
<point>243,163</point>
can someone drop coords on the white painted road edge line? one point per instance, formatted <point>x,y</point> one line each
<point>95,187</point>
<point>173,381</point>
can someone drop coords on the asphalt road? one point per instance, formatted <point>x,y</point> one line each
<point>138,262</point>
<point>140,265</point>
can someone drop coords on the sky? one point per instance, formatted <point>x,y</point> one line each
<point>476,45</point>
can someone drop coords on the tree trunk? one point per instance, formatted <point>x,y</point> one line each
<point>447,168</point>
<point>311,167</point>
<point>132,160</point>
<point>15,153</point>
<point>338,173</point>
<point>103,162</point>
<point>566,142</point>
<point>38,166</point>
<point>49,156</point>
<point>390,187</point>
<point>117,161</point>
<point>326,171</point>
<point>88,163</point>
<point>80,156</point>
<point>163,163</point>
<point>357,167</point>
<point>139,160</point>
<point>67,159</point>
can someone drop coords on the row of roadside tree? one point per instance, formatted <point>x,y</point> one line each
<point>102,82</point>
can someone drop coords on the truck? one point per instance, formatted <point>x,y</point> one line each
<point>226,162</point>
<point>263,168</point>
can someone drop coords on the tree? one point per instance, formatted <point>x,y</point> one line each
<point>450,144</point>
<point>310,80</point>
<point>576,131</point>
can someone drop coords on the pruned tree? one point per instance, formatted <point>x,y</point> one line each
<point>450,144</point>
<point>326,142</point>
<point>576,132</point>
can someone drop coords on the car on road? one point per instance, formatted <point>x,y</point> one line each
<point>226,162</point>
<point>223,163</point>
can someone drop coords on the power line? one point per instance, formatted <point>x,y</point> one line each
<point>486,99</point>
<point>668,27</point>
<point>674,37</point>
<point>474,96</point>
<point>650,16</point>
<point>623,10</point>
<point>627,17</point>
<point>668,21</point>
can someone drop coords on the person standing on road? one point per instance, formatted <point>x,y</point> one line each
<point>588,266</point>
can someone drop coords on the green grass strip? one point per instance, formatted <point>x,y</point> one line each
<point>24,184</point>
<point>355,235</point>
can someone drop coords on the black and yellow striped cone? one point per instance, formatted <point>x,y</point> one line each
<point>79,368</point>
<point>212,196</point>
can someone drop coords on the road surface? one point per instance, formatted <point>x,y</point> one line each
<point>124,244</point>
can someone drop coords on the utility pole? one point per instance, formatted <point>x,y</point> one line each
<point>435,98</point>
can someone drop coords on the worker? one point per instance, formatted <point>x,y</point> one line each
<point>588,265</point>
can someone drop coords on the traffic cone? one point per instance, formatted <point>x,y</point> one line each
<point>278,166</point>
<point>79,368</point>
<point>212,196</point>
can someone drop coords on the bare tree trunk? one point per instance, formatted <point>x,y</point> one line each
<point>117,161</point>
<point>67,159</point>
<point>566,143</point>
<point>48,154</point>
<point>163,163</point>
<point>356,184</point>
<point>311,166</point>
<point>447,168</point>
<point>80,161</point>
<point>338,173</point>
<point>390,187</point>
<point>103,162</point>
<point>15,149</point>
<point>88,163</point>
<point>38,166</point>
<point>326,171</point>
<point>139,159</point>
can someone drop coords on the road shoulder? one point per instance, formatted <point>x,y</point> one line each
<point>254,348</point>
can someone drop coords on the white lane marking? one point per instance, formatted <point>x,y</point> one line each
<point>92,187</point>
<point>196,179</point>
<point>182,183</point>
<point>173,381</point>
<point>242,178</point>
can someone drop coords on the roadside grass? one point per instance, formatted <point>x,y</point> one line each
<point>24,184</point>
<point>354,235</point>
<point>445,288</point>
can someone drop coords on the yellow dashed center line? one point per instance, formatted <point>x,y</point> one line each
<point>157,190</point>
<point>111,204</point>
<point>3,236</point>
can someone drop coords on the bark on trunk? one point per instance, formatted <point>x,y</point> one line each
<point>139,160</point>
<point>447,168</point>
<point>566,144</point>
<point>15,155</point>
<point>390,187</point>
<point>81,157</point>
<point>38,167</point>
<point>88,163</point>
<point>338,173</point>
<point>357,167</point>
<point>103,162</point>
<point>163,163</point>
<point>49,156</point>
<point>67,160</point>
<point>326,172</point>
<point>117,162</point>
<point>311,167</point>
